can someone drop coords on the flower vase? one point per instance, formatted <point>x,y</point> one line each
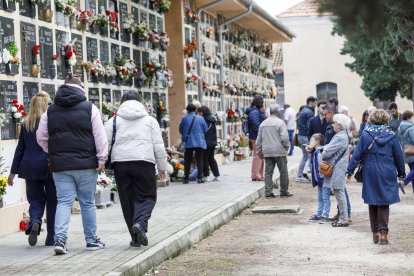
<point>47,15</point>
<point>103,30</point>
<point>102,197</point>
<point>80,26</point>
<point>73,22</point>
<point>35,70</point>
<point>18,129</point>
<point>12,69</point>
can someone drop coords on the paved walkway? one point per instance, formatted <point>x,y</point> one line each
<point>179,207</point>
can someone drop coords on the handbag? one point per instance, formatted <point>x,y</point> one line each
<point>296,140</point>
<point>182,145</point>
<point>408,150</point>
<point>358,173</point>
<point>326,168</point>
<point>108,163</point>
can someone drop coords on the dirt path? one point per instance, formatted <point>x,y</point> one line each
<point>289,245</point>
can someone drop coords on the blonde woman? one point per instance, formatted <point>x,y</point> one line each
<point>30,162</point>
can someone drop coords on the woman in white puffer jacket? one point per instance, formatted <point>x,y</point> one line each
<point>138,148</point>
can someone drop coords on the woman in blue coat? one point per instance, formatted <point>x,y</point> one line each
<point>30,162</point>
<point>383,163</point>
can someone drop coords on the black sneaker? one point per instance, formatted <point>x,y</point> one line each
<point>200,181</point>
<point>286,194</point>
<point>34,232</point>
<point>60,247</point>
<point>97,244</point>
<point>272,195</point>
<point>141,236</point>
<point>314,218</point>
<point>185,181</point>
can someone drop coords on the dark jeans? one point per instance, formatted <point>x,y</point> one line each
<point>270,163</point>
<point>188,158</point>
<point>137,191</point>
<point>290,133</point>
<point>41,194</point>
<point>209,161</point>
<point>378,216</point>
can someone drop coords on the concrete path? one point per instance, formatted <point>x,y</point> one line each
<point>184,214</point>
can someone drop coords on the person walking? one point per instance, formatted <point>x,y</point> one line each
<point>290,120</point>
<point>211,141</point>
<point>336,153</point>
<point>364,123</point>
<point>318,123</point>
<point>137,151</point>
<point>406,137</point>
<point>30,162</point>
<point>255,116</point>
<point>303,123</point>
<point>72,132</point>
<point>395,117</point>
<point>273,144</point>
<point>192,129</point>
<point>383,163</point>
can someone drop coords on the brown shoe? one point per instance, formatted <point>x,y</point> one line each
<point>375,237</point>
<point>384,238</point>
<point>335,218</point>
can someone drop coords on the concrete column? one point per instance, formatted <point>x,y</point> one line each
<point>177,99</point>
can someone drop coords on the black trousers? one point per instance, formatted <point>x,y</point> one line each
<point>379,216</point>
<point>188,158</point>
<point>137,191</point>
<point>209,161</point>
<point>41,194</point>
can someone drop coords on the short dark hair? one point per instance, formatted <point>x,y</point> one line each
<point>334,101</point>
<point>206,111</point>
<point>392,106</point>
<point>407,115</point>
<point>311,99</point>
<point>191,107</point>
<point>130,96</point>
<point>322,102</point>
<point>257,101</point>
<point>365,116</point>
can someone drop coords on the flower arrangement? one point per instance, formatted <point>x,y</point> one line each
<point>9,54</point>
<point>125,68</point>
<point>66,6</point>
<point>97,68</point>
<point>100,19</point>
<point>110,70</point>
<point>36,54</point>
<point>3,185</point>
<point>191,77</point>
<point>154,38</point>
<point>17,111</point>
<point>150,70</point>
<point>108,109</point>
<point>104,182</point>
<point>129,24</point>
<point>164,41</point>
<point>70,55</point>
<point>168,77</point>
<point>222,148</point>
<point>191,17</point>
<point>143,31</point>
<point>150,109</point>
<point>189,48</point>
<point>86,17</point>
<point>163,5</point>
<point>177,167</point>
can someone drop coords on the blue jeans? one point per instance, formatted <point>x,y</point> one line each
<point>324,202</point>
<point>348,204</point>
<point>83,184</point>
<point>290,133</point>
<point>305,154</point>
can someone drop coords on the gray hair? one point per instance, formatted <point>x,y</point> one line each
<point>370,109</point>
<point>274,108</point>
<point>342,120</point>
<point>343,110</point>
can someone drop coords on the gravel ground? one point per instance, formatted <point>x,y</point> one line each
<point>287,244</point>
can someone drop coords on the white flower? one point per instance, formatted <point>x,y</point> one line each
<point>14,109</point>
<point>6,56</point>
<point>180,173</point>
<point>17,115</point>
<point>170,168</point>
<point>72,60</point>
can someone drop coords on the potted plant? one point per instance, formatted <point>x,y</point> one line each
<point>18,114</point>
<point>35,67</point>
<point>10,59</point>
<point>163,5</point>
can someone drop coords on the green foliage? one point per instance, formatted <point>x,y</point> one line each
<point>12,47</point>
<point>380,38</point>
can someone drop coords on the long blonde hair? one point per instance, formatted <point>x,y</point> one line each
<point>38,105</point>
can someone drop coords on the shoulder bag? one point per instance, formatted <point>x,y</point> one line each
<point>182,145</point>
<point>358,173</point>
<point>108,163</point>
<point>326,168</point>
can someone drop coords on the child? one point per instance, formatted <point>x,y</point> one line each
<point>324,201</point>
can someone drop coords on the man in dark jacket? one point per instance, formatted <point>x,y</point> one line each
<point>211,141</point>
<point>303,126</point>
<point>318,123</point>
<point>329,132</point>
<point>73,133</point>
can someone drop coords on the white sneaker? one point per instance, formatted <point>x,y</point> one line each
<point>302,180</point>
<point>205,179</point>
<point>216,178</point>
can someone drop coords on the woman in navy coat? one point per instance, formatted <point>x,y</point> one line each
<point>383,163</point>
<point>30,162</point>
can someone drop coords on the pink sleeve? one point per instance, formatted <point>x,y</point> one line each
<point>42,134</point>
<point>99,134</point>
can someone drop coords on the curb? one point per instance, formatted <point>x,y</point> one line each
<point>190,235</point>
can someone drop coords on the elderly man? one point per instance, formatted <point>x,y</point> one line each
<point>273,145</point>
